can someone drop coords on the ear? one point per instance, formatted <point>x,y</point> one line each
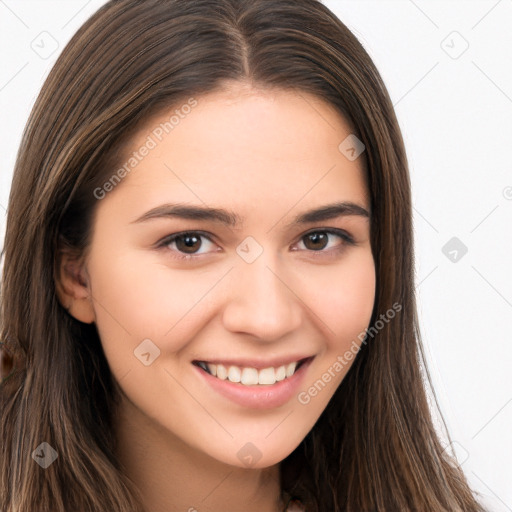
<point>73,288</point>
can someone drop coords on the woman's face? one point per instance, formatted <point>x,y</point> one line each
<point>279,285</point>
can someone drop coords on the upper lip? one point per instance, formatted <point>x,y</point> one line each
<point>256,363</point>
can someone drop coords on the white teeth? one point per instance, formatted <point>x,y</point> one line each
<point>267,376</point>
<point>290,369</point>
<point>222,373</point>
<point>234,374</point>
<point>251,376</point>
<point>281,373</point>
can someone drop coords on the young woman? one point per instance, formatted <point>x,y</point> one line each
<point>208,293</point>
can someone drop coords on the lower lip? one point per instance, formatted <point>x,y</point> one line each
<point>260,396</point>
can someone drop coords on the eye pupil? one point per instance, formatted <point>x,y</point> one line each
<point>189,241</point>
<point>317,238</point>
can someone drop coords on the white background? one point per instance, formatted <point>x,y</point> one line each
<point>454,106</point>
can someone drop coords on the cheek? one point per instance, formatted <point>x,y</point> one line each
<point>138,298</point>
<point>344,298</point>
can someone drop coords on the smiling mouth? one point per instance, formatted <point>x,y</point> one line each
<point>250,376</point>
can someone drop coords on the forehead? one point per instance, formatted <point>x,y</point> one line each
<point>243,146</point>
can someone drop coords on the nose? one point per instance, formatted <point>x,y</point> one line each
<point>262,301</point>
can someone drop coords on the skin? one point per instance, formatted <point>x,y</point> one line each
<point>267,155</point>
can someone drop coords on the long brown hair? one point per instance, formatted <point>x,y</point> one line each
<point>374,448</point>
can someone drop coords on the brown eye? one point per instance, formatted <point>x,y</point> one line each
<point>316,241</point>
<point>188,243</point>
<point>321,241</point>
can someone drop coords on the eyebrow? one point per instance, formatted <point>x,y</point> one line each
<point>231,219</point>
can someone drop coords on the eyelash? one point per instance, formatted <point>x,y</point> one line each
<point>347,239</point>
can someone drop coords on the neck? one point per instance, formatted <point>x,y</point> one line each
<point>173,476</point>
